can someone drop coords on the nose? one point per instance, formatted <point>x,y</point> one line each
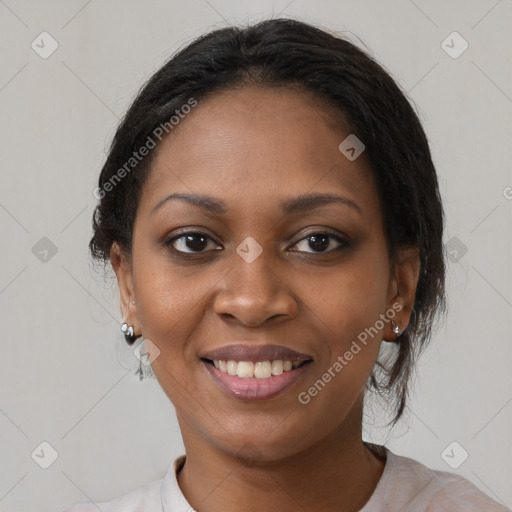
<point>253,293</point>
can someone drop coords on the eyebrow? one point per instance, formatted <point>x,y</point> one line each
<point>209,204</point>
<point>298,204</point>
<point>309,202</point>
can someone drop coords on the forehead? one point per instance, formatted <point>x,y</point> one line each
<point>253,143</point>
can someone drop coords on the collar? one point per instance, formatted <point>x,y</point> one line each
<point>173,499</point>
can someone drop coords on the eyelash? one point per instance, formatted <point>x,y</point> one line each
<point>342,241</point>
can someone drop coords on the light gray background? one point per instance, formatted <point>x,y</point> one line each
<point>67,376</point>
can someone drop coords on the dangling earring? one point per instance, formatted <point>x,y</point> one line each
<point>396,329</point>
<point>145,371</point>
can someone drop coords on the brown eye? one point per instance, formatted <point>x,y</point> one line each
<point>191,242</point>
<point>321,242</point>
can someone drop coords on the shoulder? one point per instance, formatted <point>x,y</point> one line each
<point>457,493</point>
<point>435,491</point>
<point>149,497</point>
<point>146,497</point>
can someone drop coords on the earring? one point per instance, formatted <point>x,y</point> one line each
<point>128,333</point>
<point>145,371</point>
<point>396,329</point>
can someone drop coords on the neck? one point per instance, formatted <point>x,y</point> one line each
<point>339,472</point>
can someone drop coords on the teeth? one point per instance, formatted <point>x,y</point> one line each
<point>277,367</point>
<point>231,366</point>
<point>262,369</point>
<point>258,370</point>
<point>245,369</point>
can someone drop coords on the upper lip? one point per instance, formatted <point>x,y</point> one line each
<point>251,352</point>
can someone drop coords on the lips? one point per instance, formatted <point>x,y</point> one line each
<point>280,369</point>
<point>255,353</point>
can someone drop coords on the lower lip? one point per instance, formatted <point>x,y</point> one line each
<point>252,389</point>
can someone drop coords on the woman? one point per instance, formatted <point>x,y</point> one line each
<point>271,211</point>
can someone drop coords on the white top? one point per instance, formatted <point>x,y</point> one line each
<point>405,486</point>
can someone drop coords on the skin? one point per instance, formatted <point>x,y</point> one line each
<point>253,148</point>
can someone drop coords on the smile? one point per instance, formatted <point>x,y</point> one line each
<point>258,369</point>
<point>260,380</point>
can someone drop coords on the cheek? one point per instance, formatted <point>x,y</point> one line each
<point>347,308</point>
<point>169,295</point>
<point>170,312</point>
<point>166,300</point>
<point>348,299</point>
<point>348,343</point>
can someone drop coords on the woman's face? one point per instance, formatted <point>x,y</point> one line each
<point>259,271</point>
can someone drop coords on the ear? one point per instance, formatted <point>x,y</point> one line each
<point>122,267</point>
<point>403,289</point>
